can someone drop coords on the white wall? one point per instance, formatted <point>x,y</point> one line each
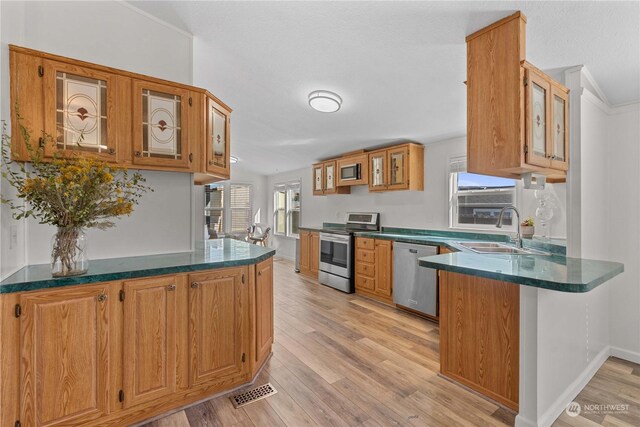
<point>114,34</point>
<point>623,228</point>
<point>428,209</point>
<point>575,333</point>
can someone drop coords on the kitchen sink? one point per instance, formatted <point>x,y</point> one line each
<point>498,248</point>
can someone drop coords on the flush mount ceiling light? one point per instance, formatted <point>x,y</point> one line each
<point>325,101</point>
<point>233,159</point>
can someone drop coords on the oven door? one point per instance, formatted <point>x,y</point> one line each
<point>335,254</point>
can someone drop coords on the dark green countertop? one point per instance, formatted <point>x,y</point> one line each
<point>553,272</point>
<point>218,253</point>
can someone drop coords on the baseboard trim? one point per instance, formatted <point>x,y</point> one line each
<point>631,356</point>
<point>556,409</point>
<point>524,422</point>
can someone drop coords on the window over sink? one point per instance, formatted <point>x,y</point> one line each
<point>475,200</point>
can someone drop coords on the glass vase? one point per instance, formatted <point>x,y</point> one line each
<point>69,252</point>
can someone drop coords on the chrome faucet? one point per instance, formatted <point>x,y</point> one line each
<point>499,224</point>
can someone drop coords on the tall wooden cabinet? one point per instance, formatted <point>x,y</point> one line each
<point>517,116</point>
<point>123,118</point>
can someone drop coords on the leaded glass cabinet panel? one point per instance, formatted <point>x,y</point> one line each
<point>161,118</point>
<point>79,111</point>
<point>217,138</point>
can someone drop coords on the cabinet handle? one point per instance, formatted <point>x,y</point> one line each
<point>259,273</point>
<point>138,154</point>
<point>41,142</point>
<point>195,285</point>
<point>102,297</point>
<point>210,162</point>
<point>171,287</point>
<point>40,70</point>
<point>112,151</point>
<point>190,157</point>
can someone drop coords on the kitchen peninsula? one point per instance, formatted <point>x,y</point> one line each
<point>134,337</point>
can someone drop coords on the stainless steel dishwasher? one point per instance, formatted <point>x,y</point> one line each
<point>414,287</point>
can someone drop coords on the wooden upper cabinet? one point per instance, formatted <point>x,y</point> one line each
<point>217,306</point>
<point>117,116</point>
<point>65,355</point>
<point>318,179</point>
<point>330,177</point>
<point>218,138</point>
<point>378,170</point>
<point>325,179</point>
<point>348,168</point>
<point>160,125</point>
<point>79,110</point>
<point>517,116</point>
<point>149,341</point>
<point>397,168</point>
<point>559,140</point>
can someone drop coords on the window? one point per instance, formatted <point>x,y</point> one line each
<point>228,209</point>
<point>214,209</point>
<point>240,208</point>
<point>476,200</point>
<point>286,209</point>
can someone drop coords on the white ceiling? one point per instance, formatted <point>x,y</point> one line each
<point>399,66</point>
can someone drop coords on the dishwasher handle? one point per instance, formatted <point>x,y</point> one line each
<point>413,251</point>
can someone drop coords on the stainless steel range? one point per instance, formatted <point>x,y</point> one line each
<point>337,250</point>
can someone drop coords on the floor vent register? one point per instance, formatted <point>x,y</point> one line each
<point>252,395</point>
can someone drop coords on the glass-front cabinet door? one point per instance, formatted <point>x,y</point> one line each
<point>559,129</point>
<point>330,177</point>
<point>537,119</point>
<point>378,170</point>
<point>79,111</point>
<point>218,140</point>
<point>318,181</point>
<point>160,125</point>
<point>398,168</point>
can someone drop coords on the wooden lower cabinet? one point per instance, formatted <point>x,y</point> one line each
<point>263,306</point>
<point>149,339</point>
<point>480,335</point>
<point>309,253</point>
<point>218,306</point>
<point>65,353</point>
<point>117,353</point>
<point>374,268</point>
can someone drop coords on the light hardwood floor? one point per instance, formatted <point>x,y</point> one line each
<point>345,360</point>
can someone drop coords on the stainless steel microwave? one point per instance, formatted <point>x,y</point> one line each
<point>350,172</point>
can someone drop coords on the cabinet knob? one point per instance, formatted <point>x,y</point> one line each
<point>102,297</point>
<point>194,285</point>
<point>41,142</point>
<point>210,162</point>
<point>171,287</point>
<point>259,273</point>
<point>138,154</point>
<point>112,151</point>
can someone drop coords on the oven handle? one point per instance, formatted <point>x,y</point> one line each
<point>333,238</point>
